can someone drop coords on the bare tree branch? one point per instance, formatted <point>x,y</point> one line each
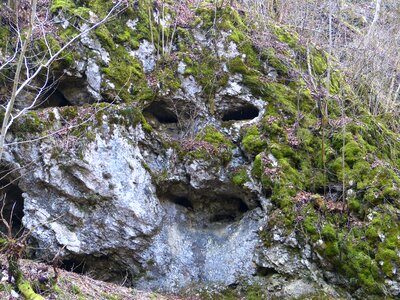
<point>18,88</point>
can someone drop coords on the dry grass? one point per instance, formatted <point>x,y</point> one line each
<point>73,286</point>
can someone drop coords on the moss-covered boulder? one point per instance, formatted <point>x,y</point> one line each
<point>219,157</point>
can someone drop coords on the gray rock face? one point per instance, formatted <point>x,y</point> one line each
<point>190,251</point>
<point>93,76</point>
<point>125,201</point>
<point>182,225</point>
<point>122,203</point>
<point>84,85</point>
<point>101,202</point>
<point>94,45</point>
<point>224,49</point>
<point>394,287</point>
<point>82,82</point>
<point>190,87</point>
<point>146,54</point>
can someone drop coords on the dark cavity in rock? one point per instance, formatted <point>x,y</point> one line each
<point>265,272</point>
<point>233,209</point>
<point>208,209</point>
<point>12,204</point>
<point>54,99</point>
<point>208,236</point>
<point>84,264</point>
<point>183,201</point>
<point>75,91</point>
<point>73,265</point>
<point>161,112</point>
<point>245,112</point>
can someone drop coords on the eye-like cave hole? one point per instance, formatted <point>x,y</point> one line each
<point>246,112</point>
<point>54,99</point>
<point>161,112</point>
<point>242,206</point>
<point>12,204</point>
<point>183,201</point>
<point>267,193</point>
<point>264,272</point>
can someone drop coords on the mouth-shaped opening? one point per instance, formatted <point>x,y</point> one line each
<point>204,210</point>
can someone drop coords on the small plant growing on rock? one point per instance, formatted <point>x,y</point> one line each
<point>13,248</point>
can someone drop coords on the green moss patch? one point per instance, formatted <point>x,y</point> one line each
<point>253,142</point>
<point>240,177</point>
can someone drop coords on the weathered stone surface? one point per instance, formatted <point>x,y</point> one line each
<point>100,202</point>
<point>93,76</point>
<point>190,87</point>
<point>94,45</point>
<point>146,54</point>
<point>132,201</point>
<point>190,251</point>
